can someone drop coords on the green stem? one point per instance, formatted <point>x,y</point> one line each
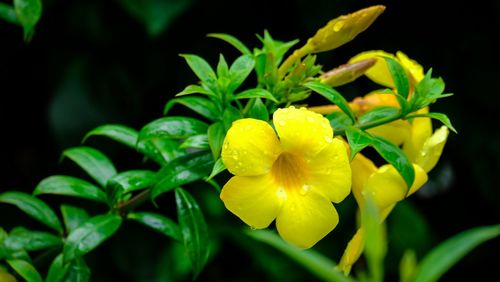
<point>134,202</point>
<point>341,132</point>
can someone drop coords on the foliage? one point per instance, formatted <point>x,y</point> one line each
<point>182,152</point>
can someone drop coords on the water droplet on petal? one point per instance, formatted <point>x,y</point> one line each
<point>338,26</point>
<point>304,190</point>
<point>311,119</point>
<point>282,123</point>
<point>328,139</point>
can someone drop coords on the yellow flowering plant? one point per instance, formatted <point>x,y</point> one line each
<point>274,159</point>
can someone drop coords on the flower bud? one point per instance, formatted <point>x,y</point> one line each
<point>347,73</point>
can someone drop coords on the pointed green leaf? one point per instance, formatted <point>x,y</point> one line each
<point>230,115</point>
<point>358,140</point>
<point>216,135</point>
<point>34,207</point>
<point>90,235</point>
<point>339,121</point>
<point>57,270</point>
<point>172,128</point>
<point>196,141</point>
<point>78,271</point>
<point>202,70</point>
<point>158,222</point>
<point>217,168</point>
<point>200,105</point>
<point>222,68</point>
<point>73,217</point>
<point>132,180</point>
<point>119,133</point>
<point>407,266</point>
<point>8,14</point>
<point>256,93</point>
<point>258,110</point>
<point>21,239</point>
<point>182,171</point>
<point>70,186</point>
<point>25,270</point>
<point>398,76</point>
<point>378,113</point>
<point>162,151</point>
<point>439,116</point>
<point>331,95</point>
<point>233,41</point>
<point>195,89</point>
<point>240,70</point>
<point>95,163</point>
<point>448,253</point>
<point>427,91</point>
<point>319,265</point>
<point>28,13</point>
<point>194,229</point>
<point>396,157</point>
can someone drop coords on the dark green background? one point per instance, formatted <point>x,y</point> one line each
<point>92,62</point>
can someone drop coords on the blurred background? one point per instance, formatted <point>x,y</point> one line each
<point>93,62</point>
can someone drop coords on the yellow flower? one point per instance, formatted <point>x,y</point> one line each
<point>293,179</point>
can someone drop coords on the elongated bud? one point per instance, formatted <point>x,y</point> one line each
<point>343,29</point>
<point>347,73</point>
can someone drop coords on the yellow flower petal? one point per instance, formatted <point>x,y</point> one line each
<point>302,131</point>
<point>429,155</point>
<point>362,168</point>
<point>254,199</point>
<point>421,130</point>
<point>330,172</point>
<point>396,132</point>
<point>250,147</point>
<point>415,70</point>
<point>306,218</point>
<point>352,252</point>
<point>379,73</point>
<point>387,187</point>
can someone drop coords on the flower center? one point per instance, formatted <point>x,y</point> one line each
<point>289,171</point>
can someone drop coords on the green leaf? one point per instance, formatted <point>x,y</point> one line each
<point>202,70</point>
<point>119,133</point>
<point>440,259</point>
<point>319,265</point>
<point>339,121</point>
<point>28,13</point>
<point>22,239</point>
<point>195,89</point>
<point>258,110</point>
<point>182,171</point>
<point>216,135</point>
<point>70,186</point>
<point>407,266</point>
<point>34,207</point>
<point>222,68</point>
<point>358,140</point>
<point>331,95</point>
<point>73,217</point>
<point>230,115</point>
<point>95,163</point>
<point>161,150</point>
<point>256,93</point>
<point>233,41</point>
<point>194,229</point>
<point>439,116</point>
<point>155,15</point>
<point>25,270</point>
<point>158,222</point>
<point>376,242</point>
<point>200,105</point>
<point>196,141</point>
<point>377,114</point>
<point>217,168</point>
<point>8,14</point>
<point>90,235</point>
<point>396,157</point>
<point>129,181</point>
<point>398,76</point>
<point>57,270</point>
<point>427,91</point>
<point>172,128</point>
<point>78,271</point>
<point>240,70</point>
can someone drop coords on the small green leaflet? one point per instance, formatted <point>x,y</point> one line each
<point>73,217</point>
<point>158,222</point>
<point>377,114</point>
<point>239,71</point>
<point>216,135</point>
<point>194,230</point>
<point>200,105</point>
<point>202,70</point>
<point>22,239</point>
<point>233,41</point>
<point>8,14</point>
<point>258,110</point>
<point>256,93</point>
<point>70,186</point>
<point>195,89</point>
<point>218,168</point>
<point>57,270</point>
<point>196,142</point>
<point>439,116</point>
<point>25,270</point>
<point>396,157</point>
<point>119,133</point>
<point>331,95</point>
<point>398,76</point>
<point>95,163</point>
<point>358,140</point>
<point>172,128</point>
<point>28,13</point>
